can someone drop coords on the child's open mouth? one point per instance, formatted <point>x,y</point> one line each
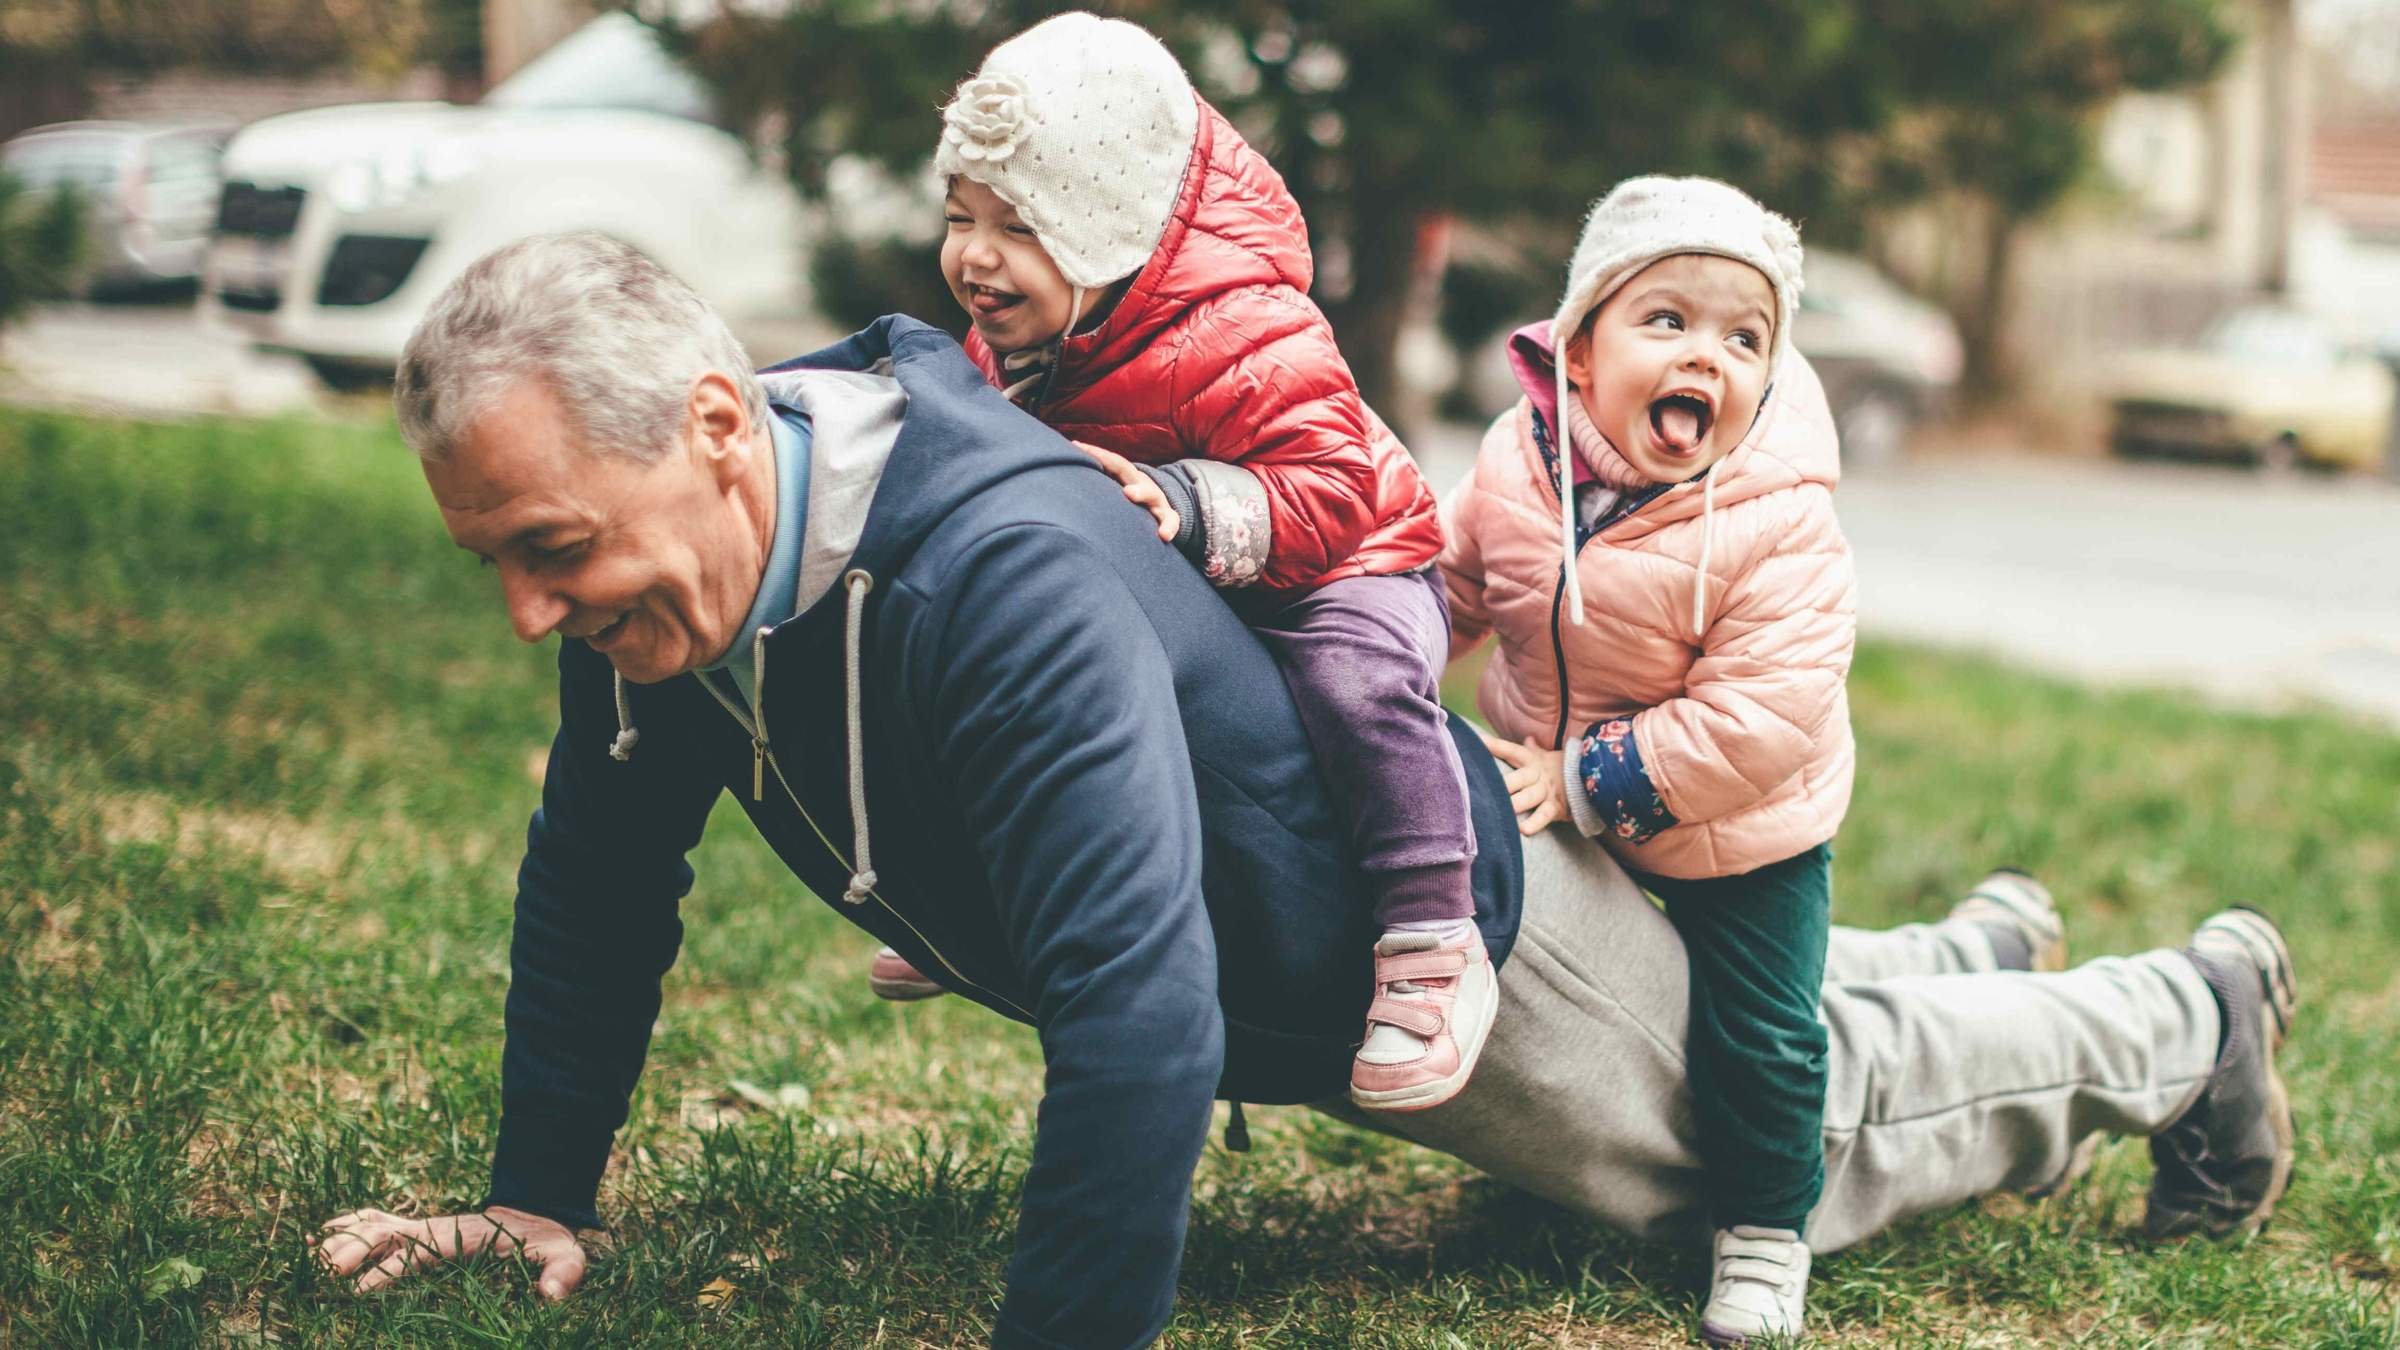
<point>1681,422</point>
<point>989,304</point>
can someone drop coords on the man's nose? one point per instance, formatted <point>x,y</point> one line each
<point>533,610</point>
<point>1700,358</point>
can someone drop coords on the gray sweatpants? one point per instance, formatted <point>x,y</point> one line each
<point>1947,1079</point>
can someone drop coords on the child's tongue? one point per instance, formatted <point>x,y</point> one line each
<point>1677,425</point>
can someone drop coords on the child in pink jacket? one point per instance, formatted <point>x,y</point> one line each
<point>1673,607</point>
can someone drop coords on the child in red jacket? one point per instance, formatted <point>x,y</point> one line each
<point>1138,276</point>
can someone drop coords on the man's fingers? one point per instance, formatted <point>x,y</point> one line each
<point>562,1269</point>
<point>409,1249</point>
<point>344,1252</point>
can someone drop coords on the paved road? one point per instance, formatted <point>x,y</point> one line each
<point>2257,591</point>
<point>147,360</point>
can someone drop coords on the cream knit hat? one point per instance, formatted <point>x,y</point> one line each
<point>1640,221</point>
<point>1084,125</point>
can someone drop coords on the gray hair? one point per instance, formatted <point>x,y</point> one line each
<point>616,337</point>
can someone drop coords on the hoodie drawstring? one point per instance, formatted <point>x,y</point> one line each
<point>621,749</point>
<point>857,581</point>
<point>862,879</point>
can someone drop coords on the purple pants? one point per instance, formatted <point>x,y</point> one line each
<point>1364,660</point>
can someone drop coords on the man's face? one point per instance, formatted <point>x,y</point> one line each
<point>999,273</point>
<point>654,565</point>
<point>1672,368</point>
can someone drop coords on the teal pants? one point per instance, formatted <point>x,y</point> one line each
<point>1756,1059</point>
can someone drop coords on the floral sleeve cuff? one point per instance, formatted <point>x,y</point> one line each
<point>1234,527</point>
<point>1611,791</point>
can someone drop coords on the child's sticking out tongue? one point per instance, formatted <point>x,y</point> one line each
<point>1678,424</point>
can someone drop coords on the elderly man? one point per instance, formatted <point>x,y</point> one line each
<point>965,693</point>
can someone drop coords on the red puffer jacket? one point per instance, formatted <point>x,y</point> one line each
<point>1216,352</point>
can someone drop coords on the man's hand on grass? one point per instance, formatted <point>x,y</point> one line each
<point>1535,788</point>
<point>1139,489</point>
<point>378,1248</point>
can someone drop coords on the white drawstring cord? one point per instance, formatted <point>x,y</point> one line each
<point>862,881</point>
<point>1040,361</point>
<point>621,749</point>
<point>1708,538</point>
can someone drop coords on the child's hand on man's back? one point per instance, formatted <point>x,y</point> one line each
<point>1138,488</point>
<point>1535,787</point>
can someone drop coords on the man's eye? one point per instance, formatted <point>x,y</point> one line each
<point>1021,231</point>
<point>1748,339</point>
<point>1667,317</point>
<point>957,220</point>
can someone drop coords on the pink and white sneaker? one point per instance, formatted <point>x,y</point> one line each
<point>892,977</point>
<point>1433,1008</point>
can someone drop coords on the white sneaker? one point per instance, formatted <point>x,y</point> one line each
<point>1759,1287</point>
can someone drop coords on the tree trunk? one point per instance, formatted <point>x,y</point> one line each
<point>1367,321</point>
<point>1983,332</point>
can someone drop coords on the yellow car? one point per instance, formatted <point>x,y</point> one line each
<point>2268,385</point>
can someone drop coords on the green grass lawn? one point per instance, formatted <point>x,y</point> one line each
<point>267,750</point>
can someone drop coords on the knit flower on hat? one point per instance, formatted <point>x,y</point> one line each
<point>987,119</point>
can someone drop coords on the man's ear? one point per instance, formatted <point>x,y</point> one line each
<point>719,423</point>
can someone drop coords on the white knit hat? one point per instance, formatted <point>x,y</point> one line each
<point>1640,221</point>
<point>1084,125</point>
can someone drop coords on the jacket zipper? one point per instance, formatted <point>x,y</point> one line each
<point>762,758</point>
<point>1558,651</point>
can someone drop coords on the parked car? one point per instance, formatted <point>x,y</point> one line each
<point>149,193</point>
<point>2267,384</point>
<point>1889,360</point>
<point>339,226</point>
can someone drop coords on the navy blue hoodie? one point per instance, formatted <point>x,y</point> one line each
<point>1094,810</point>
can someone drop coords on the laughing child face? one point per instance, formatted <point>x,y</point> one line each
<point>999,273</point>
<point>1672,368</point>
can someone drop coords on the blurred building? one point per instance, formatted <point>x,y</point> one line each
<point>2277,182</point>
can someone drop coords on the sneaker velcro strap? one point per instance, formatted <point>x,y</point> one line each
<point>1755,1270</point>
<point>1406,1015</point>
<point>1446,963</point>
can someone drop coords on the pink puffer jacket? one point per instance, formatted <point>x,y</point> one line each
<point>1744,733</point>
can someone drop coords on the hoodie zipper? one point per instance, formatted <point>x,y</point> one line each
<point>762,758</point>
